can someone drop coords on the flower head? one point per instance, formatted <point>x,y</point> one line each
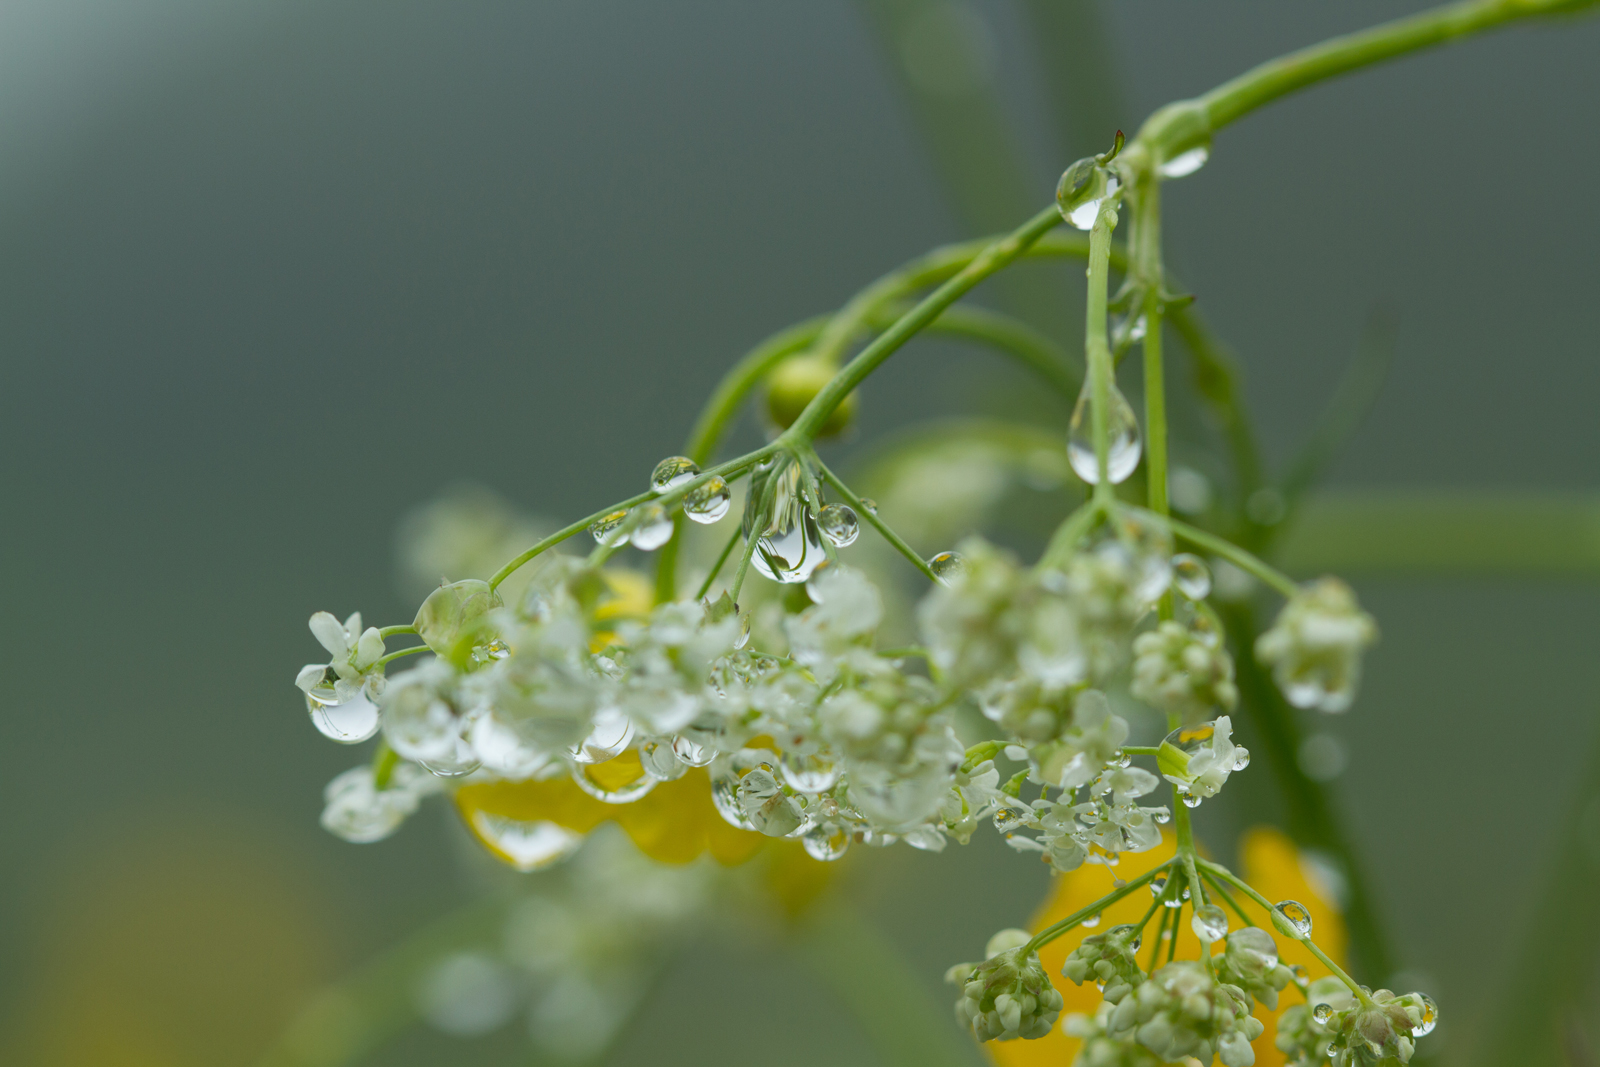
<point>1314,647</point>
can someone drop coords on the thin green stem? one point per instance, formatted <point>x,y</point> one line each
<point>391,631</point>
<point>993,258</point>
<point>1249,891</point>
<point>1147,268</point>
<point>871,516</point>
<point>384,761</point>
<point>1141,750</point>
<point>1245,561</point>
<point>902,653</point>
<point>402,652</point>
<point>1161,930</point>
<point>1177,925</point>
<point>1227,897</point>
<point>1096,348</point>
<point>716,568</point>
<point>1065,539</point>
<point>1056,929</point>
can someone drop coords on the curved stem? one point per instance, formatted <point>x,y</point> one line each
<point>871,516</point>
<point>1056,929</point>
<point>396,655</point>
<point>391,631</point>
<point>1234,554</point>
<point>994,257</point>
<point>716,568</point>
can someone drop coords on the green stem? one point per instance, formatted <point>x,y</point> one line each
<point>1217,376</point>
<point>1097,351</point>
<point>1161,929</point>
<point>1056,929</point>
<point>1147,267</point>
<point>402,652</point>
<point>1249,891</point>
<point>716,568</point>
<point>1227,897</point>
<point>1245,561</point>
<point>1179,125</point>
<point>903,653</point>
<point>384,761</point>
<point>871,516</point>
<point>391,631</point>
<point>993,258</point>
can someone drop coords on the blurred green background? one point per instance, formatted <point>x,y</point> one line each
<point>271,274</point>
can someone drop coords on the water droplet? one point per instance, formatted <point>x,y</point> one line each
<point>672,472</point>
<point>1163,817</point>
<point>1241,758</point>
<point>1430,1016</point>
<point>692,752</point>
<point>766,806</point>
<point>1158,884</point>
<point>1122,759</point>
<point>708,502</point>
<point>463,763</point>
<point>870,504</point>
<point>1008,819</point>
<point>609,735</point>
<point>1210,923</point>
<point>652,528</point>
<point>725,793</point>
<point>1301,976</point>
<point>812,773</point>
<point>616,781</point>
<point>1091,922</point>
<point>1191,801</point>
<point>1322,1012</point>
<point>1185,163</point>
<point>502,750</point>
<point>349,723</point>
<point>826,841</point>
<point>1122,435</point>
<point>947,565</point>
<point>608,531</point>
<point>1080,191</point>
<point>525,845</point>
<point>660,761</point>
<point>1292,918</point>
<point>789,546</point>
<point>1191,575</point>
<point>839,524</point>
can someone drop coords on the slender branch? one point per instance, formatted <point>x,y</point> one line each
<point>1056,929</point>
<point>1096,350</point>
<point>1234,554</point>
<point>871,516</point>
<point>402,652</point>
<point>1227,897</point>
<point>722,557</point>
<point>391,631</point>
<point>996,256</point>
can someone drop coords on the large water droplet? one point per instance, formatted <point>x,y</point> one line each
<point>609,735</point>
<point>617,781</point>
<point>660,761</point>
<point>1122,436</point>
<point>1191,801</point>
<point>1158,884</point>
<point>691,752</point>
<point>1292,918</point>
<point>708,501</point>
<point>1241,758</point>
<point>525,845</point>
<point>1301,976</point>
<point>608,531</point>
<point>814,773</point>
<point>1185,163</point>
<point>725,793</point>
<point>826,841</point>
<point>501,750</point>
<point>947,565</point>
<point>1430,1016</point>
<point>766,806</point>
<point>1210,923</point>
<point>1322,1012</point>
<point>1191,575</point>
<point>870,504</point>
<point>672,472</point>
<point>788,543</point>
<point>1009,818</point>
<point>839,524</point>
<point>349,723</point>
<point>652,528</point>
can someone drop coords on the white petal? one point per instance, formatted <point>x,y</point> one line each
<point>369,648</point>
<point>330,635</point>
<point>310,676</point>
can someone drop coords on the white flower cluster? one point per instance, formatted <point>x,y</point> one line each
<point>1314,647</point>
<point>1181,1010</point>
<point>1007,995</point>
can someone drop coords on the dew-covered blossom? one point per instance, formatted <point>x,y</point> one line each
<point>1199,759</point>
<point>1180,1010</point>
<point>1382,1030</point>
<point>352,665</point>
<point>1007,995</point>
<point>1314,647</point>
<point>1100,1048</point>
<point>357,810</point>
<point>1250,962</point>
<point>1183,671</point>
<point>1107,958</point>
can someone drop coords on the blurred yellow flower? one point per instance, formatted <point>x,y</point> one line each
<point>1268,860</point>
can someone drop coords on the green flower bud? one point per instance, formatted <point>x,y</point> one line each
<point>794,383</point>
<point>453,620</point>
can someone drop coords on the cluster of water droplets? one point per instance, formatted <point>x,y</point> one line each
<point>649,526</point>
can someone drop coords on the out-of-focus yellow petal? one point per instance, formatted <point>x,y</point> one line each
<point>1269,861</point>
<point>674,823</point>
<point>632,595</point>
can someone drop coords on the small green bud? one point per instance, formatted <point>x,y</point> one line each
<point>794,383</point>
<point>454,615</point>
